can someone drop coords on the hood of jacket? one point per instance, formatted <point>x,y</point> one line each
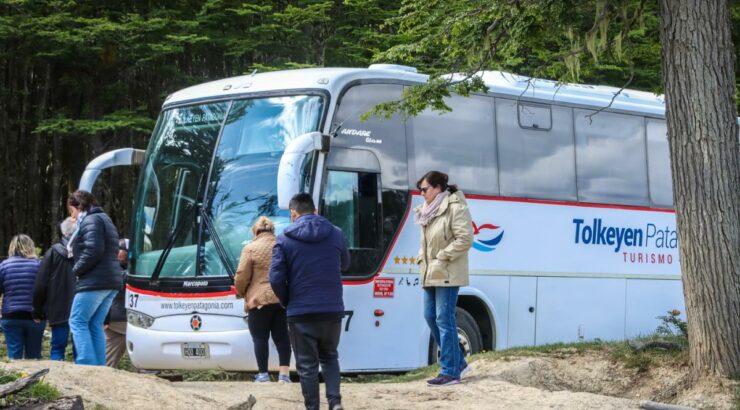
<point>310,228</point>
<point>61,248</point>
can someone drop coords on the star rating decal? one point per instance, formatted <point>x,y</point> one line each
<point>403,260</point>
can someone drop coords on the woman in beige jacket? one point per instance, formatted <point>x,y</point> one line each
<point>265,316</point>
<point>446,236</point>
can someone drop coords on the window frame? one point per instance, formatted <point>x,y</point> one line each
<point>520,104</point>
<point>378,220</point>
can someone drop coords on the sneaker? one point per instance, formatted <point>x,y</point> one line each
<point>338,407</point>
<point>262,378</point>
<point>465,370</point>
<point>284,379</point>
<point>442,380</point>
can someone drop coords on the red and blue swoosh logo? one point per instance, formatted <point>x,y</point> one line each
<point>490,237</point>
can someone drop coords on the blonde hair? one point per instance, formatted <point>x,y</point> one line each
<point>22,245</point>
<point>263,224</point>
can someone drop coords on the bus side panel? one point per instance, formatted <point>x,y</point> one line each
<point>648,299</point>
<point>580,309</point>
<point>522,311</point>
<point>391,341</point>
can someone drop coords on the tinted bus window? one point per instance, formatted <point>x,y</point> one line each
<point>610,158</point>
<point>385,137</point>
<point>659,164</point>
<point>536,162</point>
<point>461,143</point>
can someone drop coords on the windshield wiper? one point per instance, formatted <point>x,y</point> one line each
<point>220,249</point>
<point>154,280</point>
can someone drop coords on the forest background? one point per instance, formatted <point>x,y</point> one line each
<point>79,78</point>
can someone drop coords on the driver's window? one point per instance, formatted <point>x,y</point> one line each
<point>351,203</point>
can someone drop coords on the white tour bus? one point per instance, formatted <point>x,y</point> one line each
<point>575,235</point>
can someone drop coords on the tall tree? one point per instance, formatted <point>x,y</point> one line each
<point>81,77</point>
<point>612,42</point>
<point>699,77</point>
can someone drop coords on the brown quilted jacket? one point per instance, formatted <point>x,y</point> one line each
<point>252,280</point>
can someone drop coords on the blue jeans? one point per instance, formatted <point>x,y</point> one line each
<point>89,310</point>
<point>23,338</point>
<point>59,338</point>
<point>439,312</point>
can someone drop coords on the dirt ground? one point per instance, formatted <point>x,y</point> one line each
<point>563,381</point>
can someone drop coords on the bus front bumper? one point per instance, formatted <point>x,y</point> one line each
<point>160,350</point>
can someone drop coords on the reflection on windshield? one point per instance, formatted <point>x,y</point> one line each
<point>179,155</point>
<point>241,185</point>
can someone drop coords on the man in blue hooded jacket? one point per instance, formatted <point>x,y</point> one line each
<point>306,275</point>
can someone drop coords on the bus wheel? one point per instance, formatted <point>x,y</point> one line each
<point>468,334</point>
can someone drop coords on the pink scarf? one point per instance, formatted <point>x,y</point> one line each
<point>427,211</point>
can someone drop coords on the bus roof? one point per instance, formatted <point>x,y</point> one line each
<point>596,96</point>
<point>500,83</point>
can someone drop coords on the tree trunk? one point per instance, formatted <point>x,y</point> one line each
<point>56,183</point>
<point>699,77</point>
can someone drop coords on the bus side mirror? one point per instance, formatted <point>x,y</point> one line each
<point>291,170</point>
<point>119,157</point>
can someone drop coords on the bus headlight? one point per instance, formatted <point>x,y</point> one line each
<point>139,319</point>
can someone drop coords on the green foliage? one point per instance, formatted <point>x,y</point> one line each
<point>82,77</point>
<point>110,123</point>
<point>613,43</point>
<point>39,392</point>
<point>672,325</point>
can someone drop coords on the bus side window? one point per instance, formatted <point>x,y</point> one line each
<point>461,143</point>
<point>351,203</point>
<point>611,162</point>
<point>534,116</point>
<point>536,150</point>
<point>659,164</point>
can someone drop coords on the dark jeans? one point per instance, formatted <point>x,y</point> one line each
<point>316,343</point>
<point>59,339</point>
<point>270,319</point>
<point>23,338</point>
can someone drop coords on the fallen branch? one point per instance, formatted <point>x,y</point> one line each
<point>20,384</point>
<point>652,405</point>
<point>638,346</point>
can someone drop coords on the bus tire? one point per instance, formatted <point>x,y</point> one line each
<point>471,341</point>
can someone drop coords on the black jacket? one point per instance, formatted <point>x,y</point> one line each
<point>95,251</point>
<point>117,312</point>
<point>54,288</point>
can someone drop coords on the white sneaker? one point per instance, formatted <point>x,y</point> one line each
<point>262,378</point>
<point>467,369</point>
<point>284,379</point>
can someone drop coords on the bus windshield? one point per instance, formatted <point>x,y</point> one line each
<point>214,163</point>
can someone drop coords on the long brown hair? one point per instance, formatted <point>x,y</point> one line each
<point>82,200</point>
<point>437,179</point>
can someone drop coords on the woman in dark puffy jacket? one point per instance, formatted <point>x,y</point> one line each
<point>94,247</point>
<point>17,275</point>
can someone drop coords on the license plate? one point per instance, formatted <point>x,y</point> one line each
<point>195,351</point>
